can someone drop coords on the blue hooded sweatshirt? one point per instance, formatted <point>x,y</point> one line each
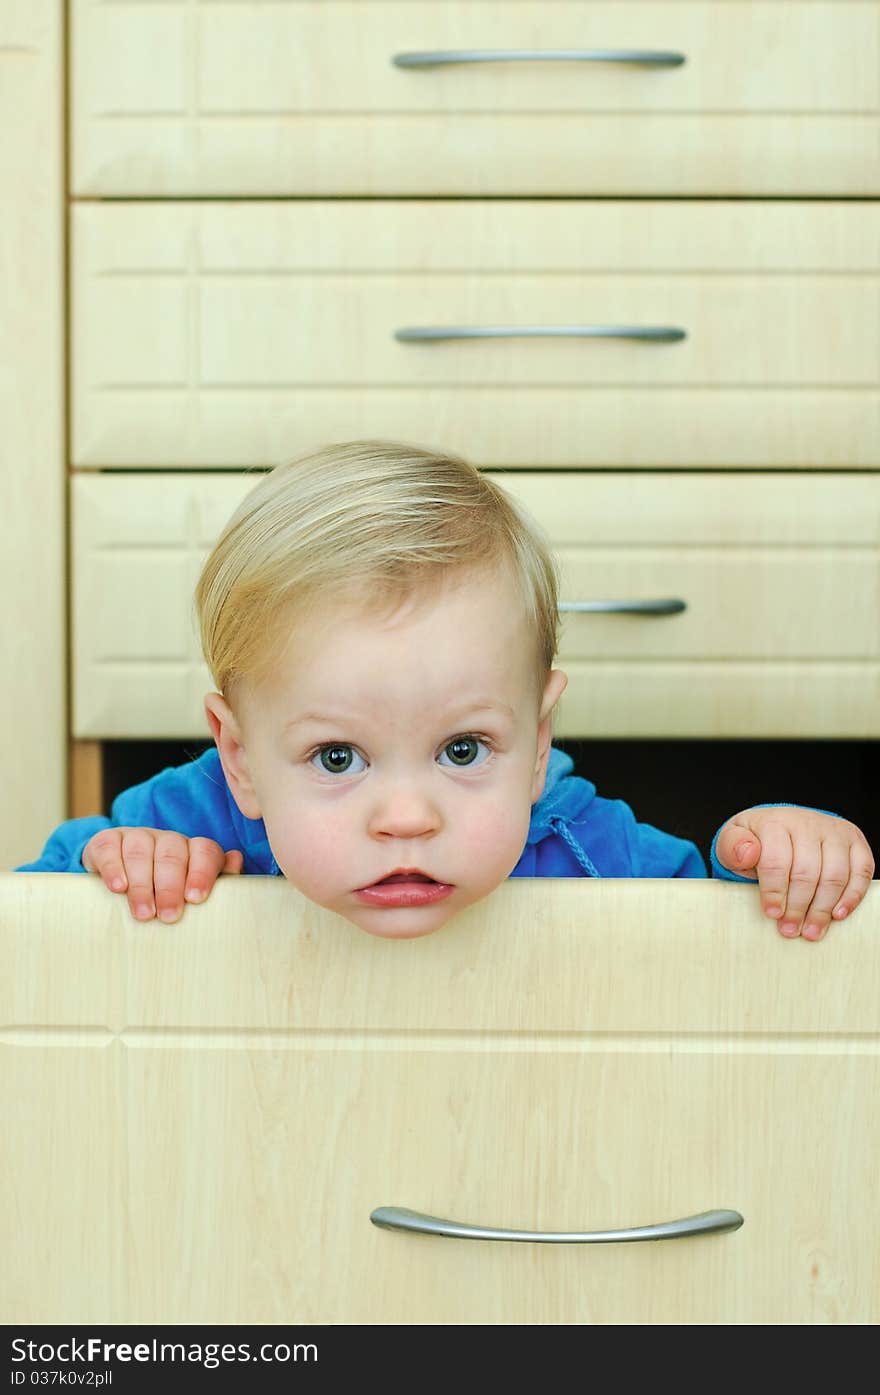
<point>573,831</point>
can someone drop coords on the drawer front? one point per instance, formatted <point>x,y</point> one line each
<point>568,1055</point>
<point>780,635</point>
<point>238,334</point>
<point>299,98</point>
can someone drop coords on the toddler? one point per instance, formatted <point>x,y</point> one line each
<point>380,623</point>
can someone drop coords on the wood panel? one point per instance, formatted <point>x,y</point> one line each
<point>780,576</point>
<point>239,334</point>
<point>33,649</point>
<point>201,1118</point>
<point>213,98</point>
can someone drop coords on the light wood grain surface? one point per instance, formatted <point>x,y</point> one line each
<point>33,545</point>
<point>181,98</point>
<point>237,334</point>
<point>201,1117</point>
<point>779,573</point>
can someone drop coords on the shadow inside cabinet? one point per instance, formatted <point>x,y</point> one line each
<point>688,788</point>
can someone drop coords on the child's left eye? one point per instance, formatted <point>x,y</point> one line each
<point>339,755</point>
<point>456,745</point>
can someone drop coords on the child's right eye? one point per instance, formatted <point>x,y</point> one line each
<point>338,758</point>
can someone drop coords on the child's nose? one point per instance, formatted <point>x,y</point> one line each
<point>405,811</point>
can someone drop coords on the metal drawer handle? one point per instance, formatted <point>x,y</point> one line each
<point>665,333</point>
<point>706,1223</point>
<point>673,606</point>
<point>646,57</point>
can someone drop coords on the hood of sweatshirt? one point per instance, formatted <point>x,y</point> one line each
<point>565,797</point>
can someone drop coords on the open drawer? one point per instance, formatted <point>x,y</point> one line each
<point>201,1119</point>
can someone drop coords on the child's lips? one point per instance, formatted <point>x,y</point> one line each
<point>405,876</point>
<point>401,877</point>
<point>404,891</point>
<point>405,886</point>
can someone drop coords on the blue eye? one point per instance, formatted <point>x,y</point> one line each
<point>460,747</point>
<point>336,757</point>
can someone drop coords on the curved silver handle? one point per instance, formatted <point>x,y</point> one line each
<point>673,606</point>
<point>646,57</point>
<point>706,1223</point>
<point>665,333</point>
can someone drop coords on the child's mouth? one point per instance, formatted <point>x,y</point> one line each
<point>404,889</point>
<point>399,878</point>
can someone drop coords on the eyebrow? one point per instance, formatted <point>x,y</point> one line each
<point>478,705</point>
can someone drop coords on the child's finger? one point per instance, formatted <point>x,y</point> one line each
<point>234,861</point>
<point>170,862</point>
<point>103,854</point>
<point>138,847</point>
<point>832,880</point>
<point>861,870</point>
<point>206,861</point>
<point>774,867</point>
<point>738,848</point>
<point>806,868</point>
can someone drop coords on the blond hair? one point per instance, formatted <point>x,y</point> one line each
<point>375,521</point>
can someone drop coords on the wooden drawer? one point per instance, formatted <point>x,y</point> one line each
<point>780,576</point>
<point>567,1055</point>
<point>778,97</point>
<point>229,334</point>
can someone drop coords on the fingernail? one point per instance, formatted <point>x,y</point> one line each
<point>168,915</point>
<point>194,894</point>
<point>775,911</point>
<point>813,932</point>
<point>117,884</point>
<point>741,849</point>
<point>144,912</point>
<point>840,912</point>
<point>788,928</point>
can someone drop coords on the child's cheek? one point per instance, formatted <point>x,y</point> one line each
<point>310,852</point>
<point>322,856</point>
<point>493,840</point>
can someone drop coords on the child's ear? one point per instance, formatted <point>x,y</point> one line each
<point>233,757</point>
<point>555,687</point>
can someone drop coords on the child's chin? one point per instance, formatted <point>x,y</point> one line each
<point>385,929</point>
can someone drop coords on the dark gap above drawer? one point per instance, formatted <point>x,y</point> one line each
<point>683,787</point>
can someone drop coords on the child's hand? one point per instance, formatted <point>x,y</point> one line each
<point>809,866</point>
<point>139,860</point>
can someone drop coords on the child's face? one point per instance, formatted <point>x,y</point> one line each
<point>370,784</point>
